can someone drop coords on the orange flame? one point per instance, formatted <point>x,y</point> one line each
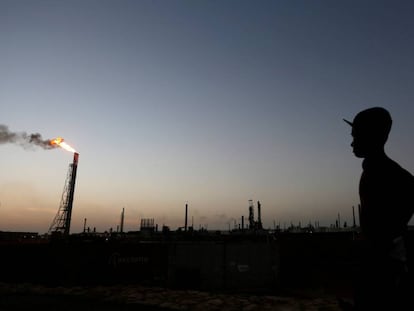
<point>60,142</point>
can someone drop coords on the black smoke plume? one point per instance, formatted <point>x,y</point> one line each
<point>23,139</point>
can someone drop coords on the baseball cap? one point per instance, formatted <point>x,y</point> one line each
<point>376,120</point>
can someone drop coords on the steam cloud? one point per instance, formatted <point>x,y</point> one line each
<point>23,139</point>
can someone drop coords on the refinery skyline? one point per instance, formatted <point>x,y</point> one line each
<point>209,103</point>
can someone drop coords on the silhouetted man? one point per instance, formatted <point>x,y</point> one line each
<point>386,192</point>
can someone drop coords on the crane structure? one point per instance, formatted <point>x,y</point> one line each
<point>61,222</point>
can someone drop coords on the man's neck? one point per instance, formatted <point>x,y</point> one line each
<point>376,154</point>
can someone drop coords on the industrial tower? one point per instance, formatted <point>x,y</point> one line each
<point>254,225</point>
<point>251,215</point>
<point>122,220</point>
<point>61,222</point>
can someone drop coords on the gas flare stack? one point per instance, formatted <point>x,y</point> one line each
<point>61,222</point>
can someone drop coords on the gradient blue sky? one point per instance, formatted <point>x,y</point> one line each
<point>207,102</point>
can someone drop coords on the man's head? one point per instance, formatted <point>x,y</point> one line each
<point>370,129</point>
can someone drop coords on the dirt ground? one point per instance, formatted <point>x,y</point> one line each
<point>107,298</point>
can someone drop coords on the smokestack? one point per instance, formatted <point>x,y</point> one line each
<point>242,224</point>
<point>84,225</point>
<point>353,217</point>
<point>259,215</point>
<point>122,220</point>
<point>186,217</point>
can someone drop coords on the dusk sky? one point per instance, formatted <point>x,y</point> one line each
<point>207,102</point>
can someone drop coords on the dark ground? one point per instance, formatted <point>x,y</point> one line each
<point>107,298</point>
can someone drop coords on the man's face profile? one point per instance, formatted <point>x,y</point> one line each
<point>360,143</point>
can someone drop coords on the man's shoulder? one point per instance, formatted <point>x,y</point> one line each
<point>401,178</point>
<point>397,168</point>
<point>388,169</point>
